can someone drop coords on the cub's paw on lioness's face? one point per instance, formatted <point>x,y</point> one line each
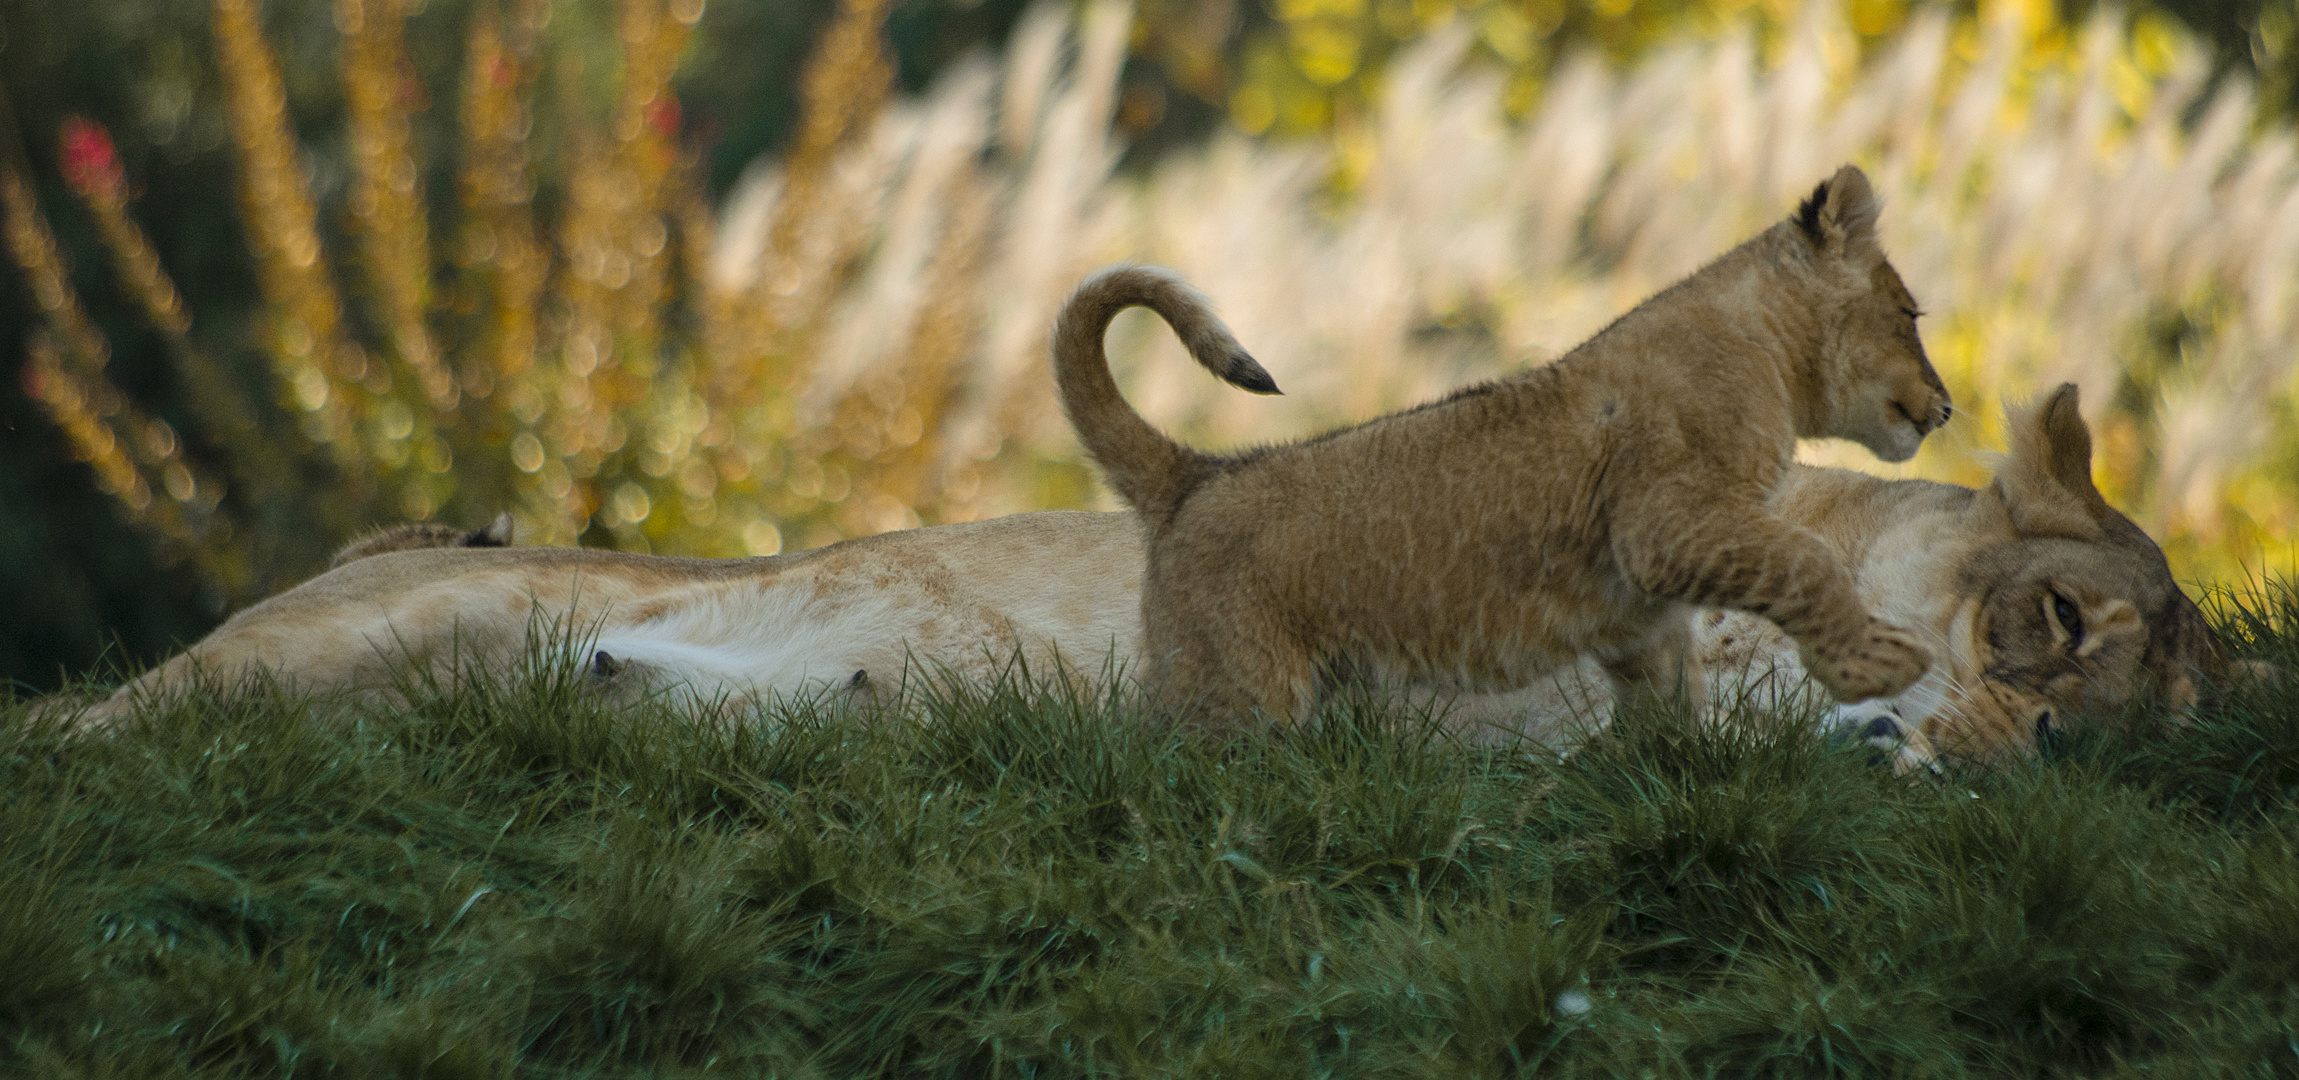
<point>1881,659</point>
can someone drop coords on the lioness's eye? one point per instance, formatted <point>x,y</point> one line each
<point>2070,617</point>
<point>1913,313</point>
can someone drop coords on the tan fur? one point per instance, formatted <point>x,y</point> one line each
<point>962,598</point>
<point>1970,572</point>
<point>1979,575</point>
<point>2060,604</point>
<point>1582,507</point>
<point>424,534</point>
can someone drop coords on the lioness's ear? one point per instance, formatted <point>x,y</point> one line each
<point>1841,214</point>
<point>2046,483</point>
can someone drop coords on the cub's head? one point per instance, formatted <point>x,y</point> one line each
<point>1874,386</point>
<point>2065,604</point>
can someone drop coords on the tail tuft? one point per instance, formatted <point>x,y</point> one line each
<point>416,535</point>
<point>1151,472</point>
<point>1246,373</point>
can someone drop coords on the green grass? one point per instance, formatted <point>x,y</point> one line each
<point>516,880</point>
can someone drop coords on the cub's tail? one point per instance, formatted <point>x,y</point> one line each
<point>1148,470</point>
<point>424,534</point>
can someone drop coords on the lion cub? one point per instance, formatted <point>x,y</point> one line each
<point>1584,506</point>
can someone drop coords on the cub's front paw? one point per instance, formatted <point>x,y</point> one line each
<point>1878,662</point>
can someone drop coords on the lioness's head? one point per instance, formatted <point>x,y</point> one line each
<point>2066,606</point>
<point>1874,386</point>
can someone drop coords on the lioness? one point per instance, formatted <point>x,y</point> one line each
<point>2038,598</point>
<point>965,596</point>
<point>1581,507</point>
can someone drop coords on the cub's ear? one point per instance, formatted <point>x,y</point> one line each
<point>2045,484</point>
<point>1841,214</point>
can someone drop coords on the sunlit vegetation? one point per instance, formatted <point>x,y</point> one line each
<point>851,340</point>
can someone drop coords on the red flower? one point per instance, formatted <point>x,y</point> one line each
<point>410,87</point>
<point>91,166</point>
<point>663,115</point>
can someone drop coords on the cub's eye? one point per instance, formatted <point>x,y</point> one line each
<point>1912,312</point>
<point>2069,616</point>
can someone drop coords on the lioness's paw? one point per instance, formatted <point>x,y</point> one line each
<point>1879,662</point>
<point>1877,724</point>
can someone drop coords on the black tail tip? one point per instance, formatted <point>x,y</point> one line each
<point>1248,375</point>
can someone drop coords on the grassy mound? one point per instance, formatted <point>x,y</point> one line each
<point>518,881</point>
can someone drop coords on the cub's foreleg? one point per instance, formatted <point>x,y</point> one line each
<point>1719,552</point>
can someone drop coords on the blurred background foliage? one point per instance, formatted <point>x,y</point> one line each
<point>281,272</point>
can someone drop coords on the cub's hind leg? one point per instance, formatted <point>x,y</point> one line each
<point>1659,668</point>
<point>1218,671</point>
